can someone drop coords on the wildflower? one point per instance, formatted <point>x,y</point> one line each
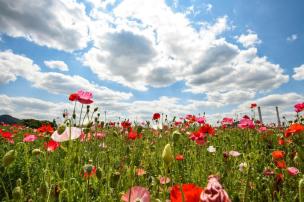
<point>100,135</point>
<point>278,154</point>
<point>201,120</point>
<point>207,129</point>
<point>243,166</point>
<point>253,105</point>
<point>211,149</point>
<point>294,128</point>
<point>164,180</point>
<point>73,97</point>
<point>30,138</point>
<point>126,124</point>
<point>132,135</point>
<point>279,178</point>
<point>245,122</point>
<point>88,171</point>
<point>268,172</point>
<point>280,164</point>
<point>167,155</point>
<point>179,157</point>
<point>190,192</point>
<point>281,141</point>
<point>51,145</point>
<point>136,194</point>
<point>65,136</point>
<point>140,171</point>
<point>292,171</point>
<point>156,116</point>
<point>234,153</point>
<point>227,121</point>
<point>262,129</point>
<point>8,136</point>
<point>299,107</point>
<point>84,97</point>
<point>45,129</point>
<point>214,191</point>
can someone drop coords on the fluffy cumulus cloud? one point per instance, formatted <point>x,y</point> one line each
<point>14,65</point>
<point>249,40</point>
<point>140,47</point>
<point>57,64</point>
<point>298,73</point>
<point>25,107</point>
<point>61,25</point>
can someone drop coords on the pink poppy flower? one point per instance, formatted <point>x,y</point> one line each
<point>85,97</point>
<point>100,135</point>
<point>227,121</point>
<point>201,120</point>
<point>65,136</point>
<point>292,171</point>
<point>299,107</point>
<point>234,153</point>
<point>135,194</point>
<point>262,129</point>
<point>246,123</point>
<point>164,180</point>
<point>214,191</point>
<point>30,138</point>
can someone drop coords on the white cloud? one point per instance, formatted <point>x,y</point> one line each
<point>298,73</point>
<point>209,7</point>
<point>292,38</point>
<point>57,64</point>
<point>14,65</point>
<point>249,40</point>
<point>58,24</point>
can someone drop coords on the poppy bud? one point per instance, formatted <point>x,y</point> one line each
<point>99,173</point>
<point>175,135</point>
<point>8,158</point>
<point>43,189</point>
<point>167,155</point>
<point>88,168</point>
<point>61,129</point>
<point>17,193</point>
<point>95,109</point>
<point>74,116</point>
<point>36,151</point>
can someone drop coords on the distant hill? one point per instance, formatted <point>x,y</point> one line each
<point>9,119</point>
<point>32,123</point>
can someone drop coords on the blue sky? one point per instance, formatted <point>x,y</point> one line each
<point>144,56</point>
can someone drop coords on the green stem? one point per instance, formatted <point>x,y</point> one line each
<point>80,114</point>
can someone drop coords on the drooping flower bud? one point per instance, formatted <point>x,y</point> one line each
<point>167,155</point>
<point>61,129</point>
<point>99,173</point>
<point>17,193</point>
<point>8,158</point>
<point>37,152</point>
<point>175,135</point>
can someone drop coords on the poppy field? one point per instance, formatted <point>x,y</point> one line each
<point>186,159</point>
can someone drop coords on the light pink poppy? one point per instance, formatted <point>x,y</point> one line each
<point>140,172</point>
<point>65,136</point>
<point>227,121</point>
<point>201,120</point>
<point>262,129</point>
<point>136,194</point>
<point>246,123</point>
<point>292,171</point>
<point>234,153</point>
<point>164,180</point>
<point>214,191</point>
<point>85,97</point>
<point>100,135</point>
<point>29,138</point>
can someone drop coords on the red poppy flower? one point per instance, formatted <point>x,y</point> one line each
<point>179,157</point>
<point>281,164</point>
<point>126,124</point>
<point>253,105</point>
<point>8,136</point>
<point>89,171</point>
<point>191,193</point>
<point>294,128</point>
<point>45,129</point>
<point>156,116</point>
<point>207,129</point>
<point>73,97</point>
<point>51,145</point>
<point>278,154</point>
<point>281,141</point>
<point>133,135</point>
<point>279,178</point>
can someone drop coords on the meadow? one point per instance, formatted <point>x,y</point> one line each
<point>184,159</point>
